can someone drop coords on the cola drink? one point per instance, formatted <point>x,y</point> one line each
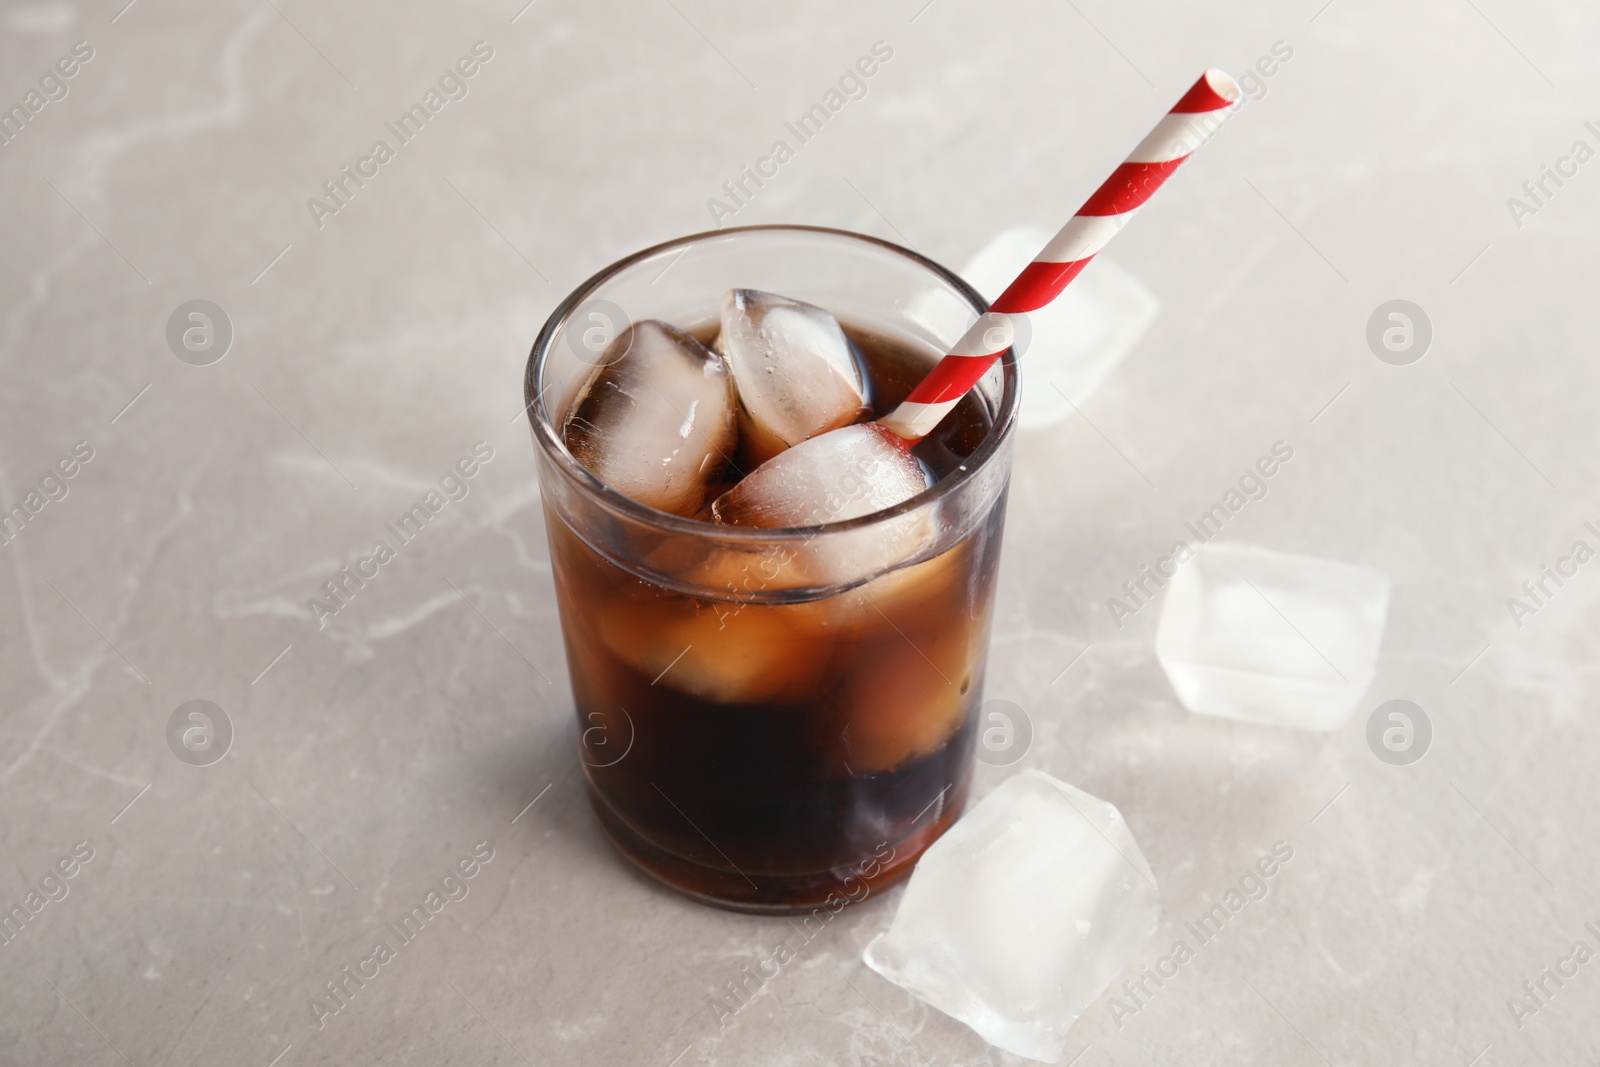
<point>779,754</point>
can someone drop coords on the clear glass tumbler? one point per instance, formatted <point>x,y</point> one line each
<point>774,720</point>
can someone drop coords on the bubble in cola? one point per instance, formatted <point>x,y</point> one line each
<point>655,421</point>
<point>797,373</point>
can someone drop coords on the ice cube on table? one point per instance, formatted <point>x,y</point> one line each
<point>1250,633</point>
<point>1078,339</point>
<point>1022,914</point>
<point>655,420</point>
<point>839,475</point>
<point>797,374</point>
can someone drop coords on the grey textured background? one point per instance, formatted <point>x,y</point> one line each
<point>371,353</point>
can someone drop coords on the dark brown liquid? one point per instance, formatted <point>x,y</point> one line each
<point>783,756</point>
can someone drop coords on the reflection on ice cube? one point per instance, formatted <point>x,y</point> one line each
<point>1022,914</point>
<point>1078,340</point>
<point>1249,633</point>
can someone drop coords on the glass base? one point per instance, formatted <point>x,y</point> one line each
<point>765,893</point>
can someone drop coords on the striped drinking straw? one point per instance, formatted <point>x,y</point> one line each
<point>1186,127</point>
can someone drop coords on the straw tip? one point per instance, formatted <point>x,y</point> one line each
<point>1222,83</point>
<point>1214,91</point>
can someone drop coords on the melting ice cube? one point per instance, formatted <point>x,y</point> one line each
<point>655,421</point>
<point>911,695</point>
<point>796,371</point>
<point>842,474</point>
<point>734,654</point>
<point>1022,914</point>
<point>1249,633</point>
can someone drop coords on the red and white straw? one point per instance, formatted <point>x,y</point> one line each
<point>1185,128</point>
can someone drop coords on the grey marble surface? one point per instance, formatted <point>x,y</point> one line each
<point>373,754</point>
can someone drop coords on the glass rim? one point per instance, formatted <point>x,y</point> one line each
<point>549,439</point>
